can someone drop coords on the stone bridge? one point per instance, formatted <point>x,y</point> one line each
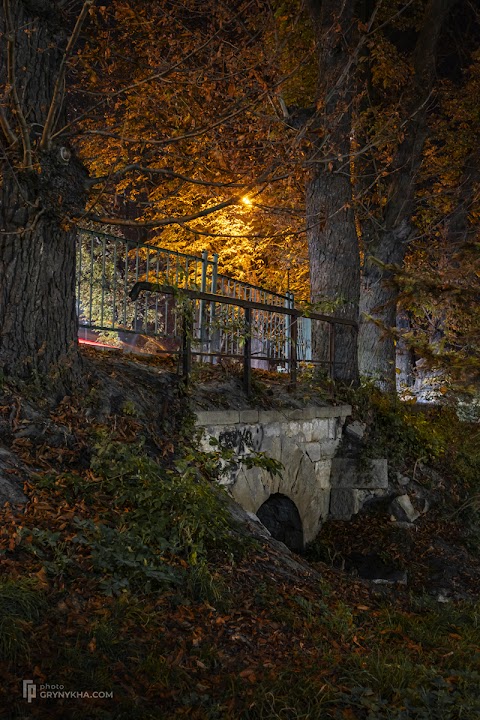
<point>293,503</point>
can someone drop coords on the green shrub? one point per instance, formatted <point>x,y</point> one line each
<point>160,520</point>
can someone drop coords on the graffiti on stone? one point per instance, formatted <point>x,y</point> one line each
<point>241,440</point>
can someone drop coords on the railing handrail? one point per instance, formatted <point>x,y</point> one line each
<point>238,302</point>
<point>248,306</point>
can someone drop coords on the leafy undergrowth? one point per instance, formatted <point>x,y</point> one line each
<point>124,574</point>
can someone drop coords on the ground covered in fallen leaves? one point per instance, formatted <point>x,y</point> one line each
<point>124,579</point>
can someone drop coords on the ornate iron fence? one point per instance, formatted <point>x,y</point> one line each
<point>108,267</point>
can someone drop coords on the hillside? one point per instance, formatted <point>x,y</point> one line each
<point>125,571</point>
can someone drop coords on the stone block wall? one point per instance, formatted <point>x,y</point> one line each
<point>353,482</point>
<point>303,440</point>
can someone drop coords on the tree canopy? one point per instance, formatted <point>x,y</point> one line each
<point>332,151</point>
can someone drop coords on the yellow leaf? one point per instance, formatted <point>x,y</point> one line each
<point>42,577</point>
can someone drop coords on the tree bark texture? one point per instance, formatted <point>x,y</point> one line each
<point>385,245</point>
<point>38,324</point>
<point>331,233</point>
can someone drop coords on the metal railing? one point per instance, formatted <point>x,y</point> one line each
<point>149,320</point>
<point>192,345</point>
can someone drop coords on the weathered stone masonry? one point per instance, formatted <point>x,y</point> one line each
<point>303,440</point>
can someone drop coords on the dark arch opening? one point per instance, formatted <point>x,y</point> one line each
<point>280,516</point>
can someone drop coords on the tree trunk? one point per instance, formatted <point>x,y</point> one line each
<point>387,245</point>
<point>334,266</point>
<point>42,189</point>
<point>405,355</point>
<point>38,332</point>
<point>378,306</point>
<point>331,233</point>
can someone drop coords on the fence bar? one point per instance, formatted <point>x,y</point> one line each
<point>293,321</point>
<point>203,289</point>
<point>187,329</point>
<point>114,280</point>
<point>213,334</point>
<point>90,305</point>
<point>247,353</point>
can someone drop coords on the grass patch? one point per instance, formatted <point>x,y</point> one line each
<point>21,604</point>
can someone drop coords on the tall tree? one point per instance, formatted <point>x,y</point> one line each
<point>386,236</point>
<point>440,282</point>
<point>331,233</point>
<point>42,184</point>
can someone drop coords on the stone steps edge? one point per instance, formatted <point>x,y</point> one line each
<point>251,417</point>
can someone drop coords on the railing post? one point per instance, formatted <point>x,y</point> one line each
<point>247,352</point>
<point>203,288</point>
<point>287,325</point>
<point>289,304</point>
<point>213,335</point>
<point>293,351</point>
<point>187,329</point>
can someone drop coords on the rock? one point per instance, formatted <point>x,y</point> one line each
<point>349,473</point>
<point>423,505</point>
<point>31,431</point>
<point>404,525</point>
<point>435,479</point>
<point>356,430</point>
<point>400,577</point>
<point>286,563</point>
<point>344,503</point>
<point>403,510</point>
<point>11,492</point>
<point>402,480</point>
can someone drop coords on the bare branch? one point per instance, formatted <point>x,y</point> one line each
<point>251,236</point>
<point>164,221</point>
<point>57,90</point>
<point>160,171</point>
<point>135,85</point>
<point>17,106</point>
<point>10,136</point>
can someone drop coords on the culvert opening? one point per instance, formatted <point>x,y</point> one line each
<point>280,516</point>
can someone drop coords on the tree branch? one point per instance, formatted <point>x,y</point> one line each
<point>164,221</point>
<point>10,136</point>
<point>135,85</point>
<point>57,90</point>
<point>425,55</point>
<point>17,106</point>
<point>159,171</point>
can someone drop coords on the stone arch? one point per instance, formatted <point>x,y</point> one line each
<point>303,440</point>
<point>280,516</point>
<point>302,480</point>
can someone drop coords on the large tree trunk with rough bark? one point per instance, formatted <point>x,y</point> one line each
<point>331,234</point>
<point>383,250</point>
<point>42,188</point>
<point>334,267</point>
<point>385,245</point>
